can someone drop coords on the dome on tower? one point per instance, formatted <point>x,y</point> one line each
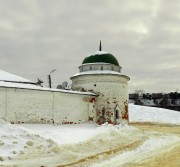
<point>101,57</point>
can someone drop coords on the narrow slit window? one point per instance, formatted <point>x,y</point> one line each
<point>117,114</point>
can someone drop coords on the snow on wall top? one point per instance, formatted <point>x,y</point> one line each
<point>35,87</point>
<point>5,76</point>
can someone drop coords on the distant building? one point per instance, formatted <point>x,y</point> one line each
<point>168,101</point>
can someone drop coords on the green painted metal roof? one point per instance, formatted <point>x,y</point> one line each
<point>101,57</point>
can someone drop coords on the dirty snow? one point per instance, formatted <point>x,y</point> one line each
<point>59,144</point>
<point>147,149</point>
<point>53,145</point>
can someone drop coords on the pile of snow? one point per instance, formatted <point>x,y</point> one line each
<point>71,134</point>
<point>152,114</point>
<point>60,144</point>
<point>5,76</point>
<point>16,141</point>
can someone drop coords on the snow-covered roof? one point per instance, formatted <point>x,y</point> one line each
<point>35,87</point>
<point>101,56</point>
<point>100,52</point>
<point>96,72</point>
<point>5,76</point>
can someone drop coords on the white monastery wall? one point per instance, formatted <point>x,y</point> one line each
<point>3,103</point>
<point>36,106</point>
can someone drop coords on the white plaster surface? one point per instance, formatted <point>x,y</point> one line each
<point>25,105</point>
<point>111,88</point>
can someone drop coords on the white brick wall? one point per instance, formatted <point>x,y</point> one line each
<point>24,105</point>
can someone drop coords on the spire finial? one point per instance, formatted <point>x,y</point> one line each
<point>100,47</point>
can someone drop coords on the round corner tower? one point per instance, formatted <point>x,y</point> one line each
<point>100,73</point>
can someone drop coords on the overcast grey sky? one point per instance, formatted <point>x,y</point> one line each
<point>37,36</point>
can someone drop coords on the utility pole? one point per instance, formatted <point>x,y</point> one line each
<point>49,78</point>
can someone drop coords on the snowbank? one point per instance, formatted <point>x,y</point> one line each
<point>16,141</point>
<point>151,114</point>
<point>38,146</point>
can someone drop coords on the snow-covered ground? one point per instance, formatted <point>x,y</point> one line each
<point>152,114</point>
<point>58,145</point>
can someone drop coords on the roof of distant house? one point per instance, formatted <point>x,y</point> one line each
<point>8,77</point>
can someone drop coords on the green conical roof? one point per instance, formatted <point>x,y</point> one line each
<point>101,57</point>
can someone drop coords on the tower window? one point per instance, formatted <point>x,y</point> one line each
<point>117,114</point>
